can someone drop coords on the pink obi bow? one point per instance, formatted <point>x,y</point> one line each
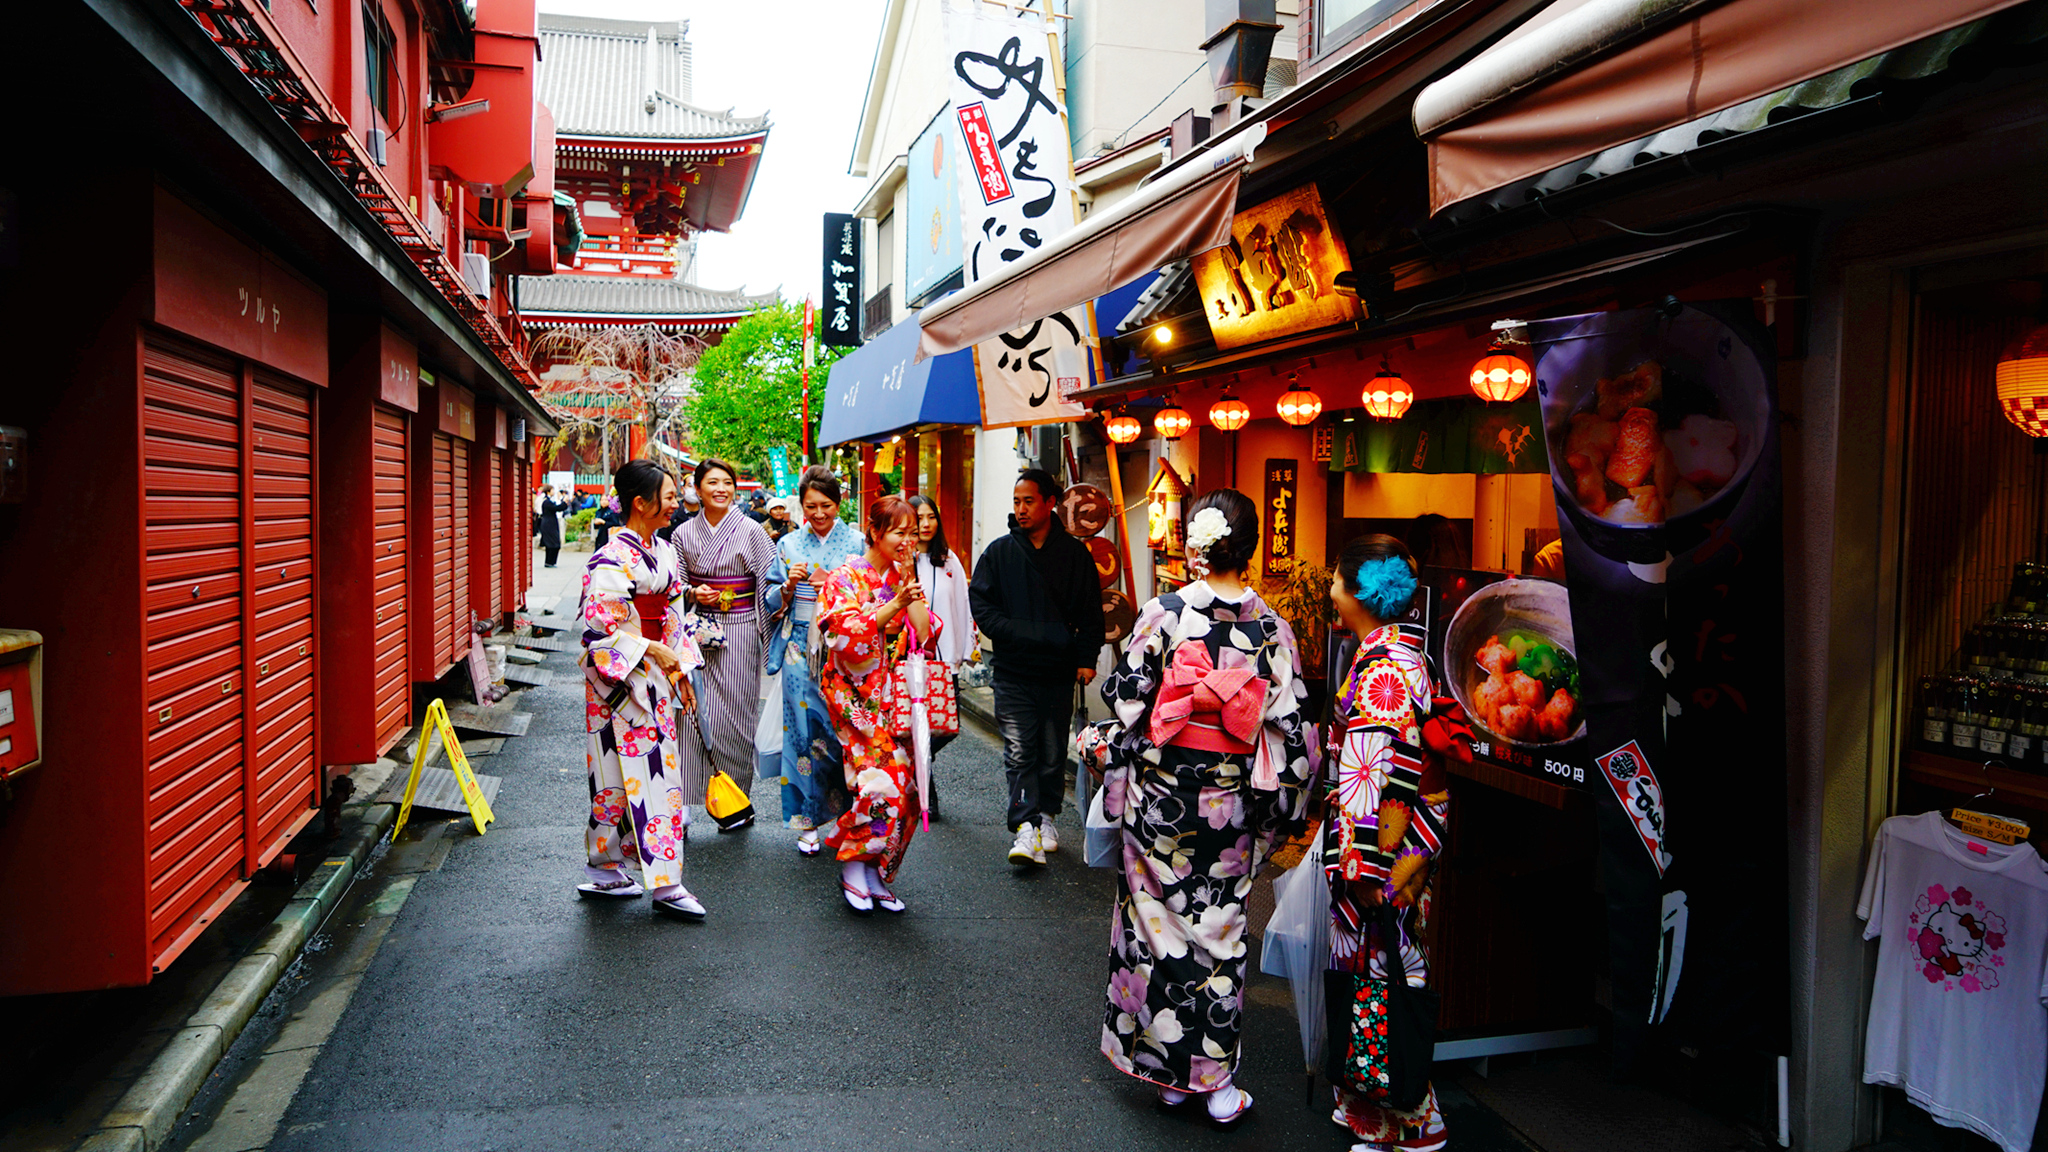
<point>1206,707</point>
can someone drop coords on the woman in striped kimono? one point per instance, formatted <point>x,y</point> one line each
<point>728,557</point>
<point>810,759</point>
<point>637,659</point>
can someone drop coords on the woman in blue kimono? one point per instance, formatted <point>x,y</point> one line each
<point>804,558</point>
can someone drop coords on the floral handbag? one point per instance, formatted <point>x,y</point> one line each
<point>914,677</point>
<point>1382,1033</point>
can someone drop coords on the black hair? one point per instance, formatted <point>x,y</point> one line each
<point>1234,552</point>
<point>821,479</point>
<point>937,549</point>
<point>1391,594</point>
<point>1049,489</point>
<point>638,480</point>
<point>705,466</point>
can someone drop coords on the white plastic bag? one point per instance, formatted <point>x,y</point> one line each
<point>1102,838</point>
<point>1297,944</point>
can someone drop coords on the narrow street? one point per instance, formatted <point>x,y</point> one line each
<point>468,1000</point>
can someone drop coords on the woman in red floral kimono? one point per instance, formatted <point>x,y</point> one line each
<point>871,611</point>
<point>1389,806</point>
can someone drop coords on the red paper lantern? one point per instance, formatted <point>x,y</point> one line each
<point>1230,413</point>
<point>1501,375</point>
<point>1173,422</point>
<point>1387,396</point>
<point>2022,380</point>
<point>1298,405</point>
<point>1122,428</point>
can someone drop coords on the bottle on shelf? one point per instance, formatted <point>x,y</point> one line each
<point>2025,738</point>
<point>1963,715</point>
<point>1934,711</point>
<point>1995,720</point>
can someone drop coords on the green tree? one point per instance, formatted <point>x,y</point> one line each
<point>748,393</point>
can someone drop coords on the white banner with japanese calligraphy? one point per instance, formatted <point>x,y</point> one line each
<point>1017,193</point>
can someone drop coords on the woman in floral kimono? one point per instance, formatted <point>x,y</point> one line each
<point>727,556</point>
<point>1206,764</point>
<point>1389,805</point>
<point>636,663</point>
<point>806,557</point>
<point>871,608</point>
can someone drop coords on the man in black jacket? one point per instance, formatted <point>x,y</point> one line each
<point>1036,596</point>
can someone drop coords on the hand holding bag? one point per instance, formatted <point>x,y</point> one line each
<point>1382,1033</point>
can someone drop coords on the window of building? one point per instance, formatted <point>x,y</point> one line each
<point>380,59</point>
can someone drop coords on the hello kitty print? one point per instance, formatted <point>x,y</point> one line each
<point>1957,940</point>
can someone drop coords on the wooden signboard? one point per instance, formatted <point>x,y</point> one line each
<point>1279,513</point>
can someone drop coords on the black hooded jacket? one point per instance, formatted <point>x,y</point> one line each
<point>1041,606</point>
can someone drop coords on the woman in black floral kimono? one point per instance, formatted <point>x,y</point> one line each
<point>1205,763</point>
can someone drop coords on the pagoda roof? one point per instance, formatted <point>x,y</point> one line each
<point>571,299</point>
<point>602,78</point>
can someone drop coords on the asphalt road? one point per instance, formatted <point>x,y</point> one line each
<point>497,1011</point>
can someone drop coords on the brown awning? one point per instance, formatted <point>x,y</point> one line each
<point>1188,210</point>
<point>1587,75</point>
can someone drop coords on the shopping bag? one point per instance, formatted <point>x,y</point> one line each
<point>1382,1033</point>
<point>1102,838</point>
<point>1297,946</point>
<point>726,803</point>
<point>932,687</point>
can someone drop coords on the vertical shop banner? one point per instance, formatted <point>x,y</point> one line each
<point>931,232</point>
<point>1662,432</point>
<point>1017,192</point>
<point>1282,479</point>
<point>839,315</point>
<point>778,463</point>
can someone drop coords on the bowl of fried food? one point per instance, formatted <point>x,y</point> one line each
<point>1665,421</point>
<point>1509,660</point>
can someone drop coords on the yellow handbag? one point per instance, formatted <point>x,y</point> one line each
<point>727,804</point>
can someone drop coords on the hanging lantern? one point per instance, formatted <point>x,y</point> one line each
<point>1230,413</point>
<point>2022,378</point>
<point>1298,405</point>
<point>1501,375</point>
<point>1387,396</point>
<point>1173,421</point>
<point>1122,428</point>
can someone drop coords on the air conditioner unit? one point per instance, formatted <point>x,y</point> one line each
<point>476,273</point>
<point>378,138</point>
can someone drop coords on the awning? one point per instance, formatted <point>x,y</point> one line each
<point>883,387</point>
<point>1586,75</point>
<point>1187,210</point>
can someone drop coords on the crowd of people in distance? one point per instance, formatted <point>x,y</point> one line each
<point>1205,764</point>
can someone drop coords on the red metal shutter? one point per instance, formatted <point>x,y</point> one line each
<point>281,641</point>
<point>388,574</point>
<point>496,537</point>
<point>457,636</point>
<point>444,546</point>
<point>192,577</point>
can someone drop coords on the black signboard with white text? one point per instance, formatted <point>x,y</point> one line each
<point>839,309</point>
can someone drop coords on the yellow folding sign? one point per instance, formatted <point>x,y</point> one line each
<point>480,812</point>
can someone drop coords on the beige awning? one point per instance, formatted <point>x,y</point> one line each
<point>1586,75</point>
<point>1188,210</point>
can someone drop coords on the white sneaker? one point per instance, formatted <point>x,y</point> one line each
<point>1048,836</point>
<point>1027,849</point>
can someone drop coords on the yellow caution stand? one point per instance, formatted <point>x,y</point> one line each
<point>435,720</point>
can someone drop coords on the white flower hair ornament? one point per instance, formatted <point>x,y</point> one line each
<point>1204,530</point>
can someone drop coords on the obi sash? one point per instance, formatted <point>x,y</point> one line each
<point>1208,708</point>
<point>652,608</point>
<point>735,593</point>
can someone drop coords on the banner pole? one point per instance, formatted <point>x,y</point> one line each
<point>810,357</point>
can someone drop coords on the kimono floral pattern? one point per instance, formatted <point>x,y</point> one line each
<point>876,828</point>
<point>1385,832</point>
<point>637,808</point>
<point>1194,829</point>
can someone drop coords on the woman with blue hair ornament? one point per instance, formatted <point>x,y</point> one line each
<point>1388,809</point>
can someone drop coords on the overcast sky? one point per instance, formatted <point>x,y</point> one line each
<point>805,63</point>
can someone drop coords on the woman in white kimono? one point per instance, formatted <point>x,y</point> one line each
<point>637,659</point>
<point>727,557</point>
<point>944,580</point>
<point>810,760</point>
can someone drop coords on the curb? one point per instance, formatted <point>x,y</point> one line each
<point>979,703</point>
<point>144,1116</point>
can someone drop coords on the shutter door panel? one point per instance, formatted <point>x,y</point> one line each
<point>287,776</point>
<point>388,574</point>
<point>457,636</point>
<point>192,574</point>
<point>444,544</point>
<point>496,536</point>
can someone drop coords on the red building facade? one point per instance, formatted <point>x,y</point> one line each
<point>277,415</point>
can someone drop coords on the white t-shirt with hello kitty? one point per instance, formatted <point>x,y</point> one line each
<point>1959,1014</point>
